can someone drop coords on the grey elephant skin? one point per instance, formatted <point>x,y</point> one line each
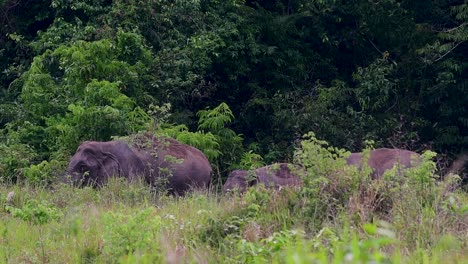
<point>272,176</point>
<point>383,159</point>
<point>178,166</point>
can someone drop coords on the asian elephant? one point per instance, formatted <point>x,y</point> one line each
<point>272,176</point>
<point>154,160</point>
<point>383,159</point>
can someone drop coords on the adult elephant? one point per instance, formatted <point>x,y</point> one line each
<point>383,159</point>
<point>154,160</point>
<point>272,176</point>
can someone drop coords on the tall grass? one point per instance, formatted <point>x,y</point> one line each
<point>338,216</point>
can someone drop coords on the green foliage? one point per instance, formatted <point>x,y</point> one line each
<point>215,122</point>
<point>60,32</point>
<point>20,22</point>
<point>15,157</point>
<point>82,91</point>
<point>43,173</point>
<point>251,160</point>
<point>118,189</point>
<point>126,234</point>
<point>207,142</point>
<point>269,248</point>
<point>159,115</point>
<point>127,223</point>
<point>250,218</point>
<point>406,198</point>
<point>221,144</point>
<point>328,182</point>
<point>215,119</point>
<point>374,89</point>
<point>320,158</point>
<point>103,113</point>
<point>445,92</point>
<point>325,247</point>
<point>36,212</point>
<point>420,197</point>
<point>391,71</point>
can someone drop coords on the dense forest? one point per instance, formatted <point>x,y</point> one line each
<point>241,80</point>
<point>248,83</point>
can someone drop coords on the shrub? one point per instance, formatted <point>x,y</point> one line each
<point>129,234</point>
<point>327,246</point>
<point>254,216</point>
<point>328,183</point>
<point>335,193</point>
<point>37,212</point>
<point>43,173</point>
<point>14,158</point>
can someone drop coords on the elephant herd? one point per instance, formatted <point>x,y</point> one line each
<point>180,167</point>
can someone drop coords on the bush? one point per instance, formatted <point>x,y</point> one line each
<point>293,246</point>
<point>37,212</point>
<point>14,158</point>
<point>132,234</point>
<point>43,173</point>
<point>254,216</point>
<point>328,183</point>
<point>334,192</point>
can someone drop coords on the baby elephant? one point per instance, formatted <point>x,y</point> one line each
<point>272,176</point>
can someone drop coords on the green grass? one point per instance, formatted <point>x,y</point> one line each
<point>123,223</point>
<point>339,215</point>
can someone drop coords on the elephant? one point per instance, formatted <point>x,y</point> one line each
<point>272,176</point>
<point>383,159</point>
<point>154,160</point>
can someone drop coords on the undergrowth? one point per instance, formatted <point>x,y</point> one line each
<point>337,216</point>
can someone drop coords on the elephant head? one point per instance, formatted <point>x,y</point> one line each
<point>237,179</point>
<point>95,162</point>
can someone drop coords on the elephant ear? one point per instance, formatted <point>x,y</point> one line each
<point>90,158</point>
<point>110,164</point>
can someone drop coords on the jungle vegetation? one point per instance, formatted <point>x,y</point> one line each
<point>391,72</point>
<point>244,81</point>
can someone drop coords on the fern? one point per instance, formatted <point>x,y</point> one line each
<point>206,142</point>
<point>216,119</point>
